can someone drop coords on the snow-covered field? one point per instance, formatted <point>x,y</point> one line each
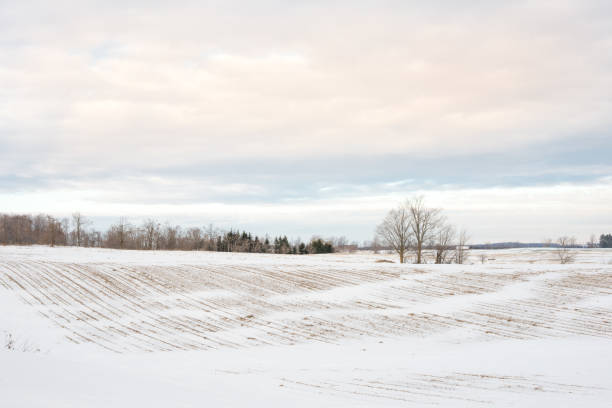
<point>108,328</point>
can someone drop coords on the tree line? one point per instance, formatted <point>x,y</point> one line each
<point>43,229</point>
<point>411,229</point>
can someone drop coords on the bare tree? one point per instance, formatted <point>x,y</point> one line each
<point>375,244</point>
<point>593,241</point>
<point>118,234</point>
<point>340,243</point>
<point>171,236</point>
<point>414,225</point>
<point>564,252</point>
<point>395,231</point>
<point>462,250</point>
<point>53,230</point>
<point>423,221</point>
<point>96,238</point>
<point>78,222</point>
<point>64,227</point>
<point>443,244</point>
<point>210,235</point>
<point>151,232</point>
<point>194,238</point>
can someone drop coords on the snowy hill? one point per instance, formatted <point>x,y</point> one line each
<point>197,328</point>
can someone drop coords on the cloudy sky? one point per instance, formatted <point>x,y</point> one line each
<point>310,117</point>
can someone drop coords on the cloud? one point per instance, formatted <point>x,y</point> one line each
<point>273,101</point>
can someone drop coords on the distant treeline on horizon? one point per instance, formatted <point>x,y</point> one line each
<point>605,241</point>
<point>42,229</point>
<point>510,245</point>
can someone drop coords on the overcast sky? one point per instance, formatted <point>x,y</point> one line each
<point>310,117</point>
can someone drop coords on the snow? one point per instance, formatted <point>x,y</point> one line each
<point>100,327</point>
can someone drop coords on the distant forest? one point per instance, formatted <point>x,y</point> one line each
<point>42,229</point>
<point>47,230</point>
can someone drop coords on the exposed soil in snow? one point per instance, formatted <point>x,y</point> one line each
<point>434,329</point>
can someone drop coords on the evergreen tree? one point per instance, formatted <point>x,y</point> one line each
<point>605,241</point>
<point>318,246</point>
<point>302,249</point>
